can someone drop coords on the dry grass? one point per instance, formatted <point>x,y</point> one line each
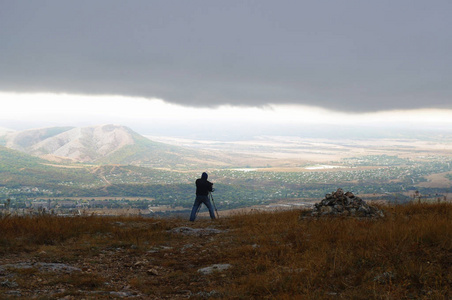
<point>406,255</point>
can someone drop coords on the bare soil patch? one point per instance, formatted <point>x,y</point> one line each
<point>437,181</point>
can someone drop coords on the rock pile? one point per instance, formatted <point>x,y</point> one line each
<point>345,204</point>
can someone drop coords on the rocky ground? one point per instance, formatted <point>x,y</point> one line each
<point>405,254</point>
<point>175,268</point>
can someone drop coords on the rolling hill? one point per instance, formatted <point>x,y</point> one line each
<point>106,144</point>
<point>98,160</point>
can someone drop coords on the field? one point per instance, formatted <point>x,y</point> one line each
<point>257,255</point>
<point>290,152</point>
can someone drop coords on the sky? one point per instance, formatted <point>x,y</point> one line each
<point>172,63</point>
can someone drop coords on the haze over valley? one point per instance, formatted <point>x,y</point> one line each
<point>154,174</point>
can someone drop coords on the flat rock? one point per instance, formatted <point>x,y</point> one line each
<point>214,268</point>
<point>195,231</point>
<point>42,267</point>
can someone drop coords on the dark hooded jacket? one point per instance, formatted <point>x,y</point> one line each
<point>203,186</point>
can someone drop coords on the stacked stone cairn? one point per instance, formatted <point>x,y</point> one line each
<point>345,204</point>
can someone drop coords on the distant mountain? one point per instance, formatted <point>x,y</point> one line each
<point>86,144</point>
<point>104,144</point>
<point>25,140</point>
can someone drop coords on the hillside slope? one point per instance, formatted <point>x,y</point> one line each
<point>86,144</point>
<point>105,144</point>
<point>18,169</point>
<point>25,140</point>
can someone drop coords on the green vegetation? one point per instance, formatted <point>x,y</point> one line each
<point>20,170</point>
<point>24,177</point>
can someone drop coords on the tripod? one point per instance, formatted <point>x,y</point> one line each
<point>213,202</point>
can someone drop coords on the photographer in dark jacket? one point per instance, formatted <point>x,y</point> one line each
<point>203,188</point>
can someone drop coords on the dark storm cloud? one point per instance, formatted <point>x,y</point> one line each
<point>346,55</point>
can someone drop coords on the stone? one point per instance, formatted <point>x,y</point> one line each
<point>13,293</point>
<point>207,295</point>
<point>121,294</point>
<point>214,268</point>
<point>185,247</point>
<point>326,209</point>
<point>345,204</point>
<point>140,263</point>
<point>153,272</point>
<point>42,267</point>
<point>339,208</point>
<point>9,284</point>
<point>363,208</point>
<point>338,193</point>
<point>195,231</point>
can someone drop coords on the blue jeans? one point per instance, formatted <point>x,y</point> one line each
<point>198,201</point>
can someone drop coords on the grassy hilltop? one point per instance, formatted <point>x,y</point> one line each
<point>407,254</point>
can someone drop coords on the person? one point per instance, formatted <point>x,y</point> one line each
<point>203,188</point>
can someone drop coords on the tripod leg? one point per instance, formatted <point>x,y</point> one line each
<point>213,202</point>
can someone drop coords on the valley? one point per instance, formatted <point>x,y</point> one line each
<point>153,175</point>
